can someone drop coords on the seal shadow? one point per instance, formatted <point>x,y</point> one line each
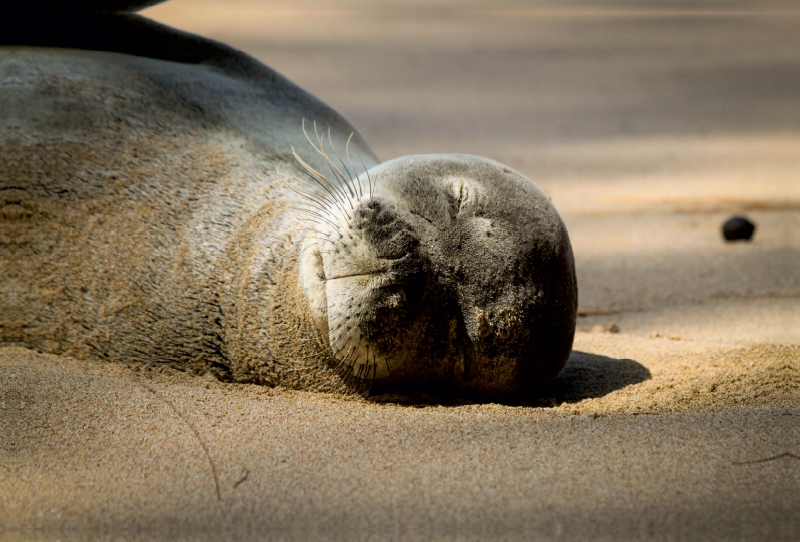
<point>586,376</point>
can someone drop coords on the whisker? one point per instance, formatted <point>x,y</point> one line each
<point>315,214</point>
<point>345,367</point>
<point>330,188</point>
<point>371,186</point>
<point>358,177</point>
<point>320,204</point>
<point>351,188</point>
<point>336,330</point>
<point>335,240</point>
<point>335,343</point>
<point>307,173</point>
<point>318,177</point>
<point>337,174</point>
<point>321,151</point>
<point>366,357</point>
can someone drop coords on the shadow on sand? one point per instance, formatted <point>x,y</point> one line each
<point>586,376</point>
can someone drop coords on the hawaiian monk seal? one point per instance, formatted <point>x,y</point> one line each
<point>152,209</point>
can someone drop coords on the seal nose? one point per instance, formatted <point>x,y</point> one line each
<point>383,228</point>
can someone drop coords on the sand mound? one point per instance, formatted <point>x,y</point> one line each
<point>662,375</point>
<point>607,373</point>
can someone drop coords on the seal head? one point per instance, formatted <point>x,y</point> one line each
<point>442,272</point>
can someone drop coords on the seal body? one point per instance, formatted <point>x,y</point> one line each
<point>152,210</point>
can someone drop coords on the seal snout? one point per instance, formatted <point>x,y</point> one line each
<point>382,226</point>
<point>362,278</point>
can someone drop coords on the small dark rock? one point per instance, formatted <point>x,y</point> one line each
<point>738,228</point>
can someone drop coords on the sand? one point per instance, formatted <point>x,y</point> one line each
<point>678,415</point>
<point>679,442</point>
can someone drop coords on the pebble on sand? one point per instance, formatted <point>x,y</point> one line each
<point>738,228</point>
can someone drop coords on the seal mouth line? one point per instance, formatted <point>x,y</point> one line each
<point>356,275</point>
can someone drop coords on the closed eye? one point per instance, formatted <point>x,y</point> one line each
<point>462,198</point>
<point>423,217</point>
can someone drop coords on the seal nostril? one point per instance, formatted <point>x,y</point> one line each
<point>396,254</point>
<point>397,246</point>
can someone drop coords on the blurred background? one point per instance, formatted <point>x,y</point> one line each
<point>648,123</point>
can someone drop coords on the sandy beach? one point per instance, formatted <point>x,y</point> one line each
<point>678,415</point>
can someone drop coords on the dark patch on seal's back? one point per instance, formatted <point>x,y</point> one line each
<point>52,7</point>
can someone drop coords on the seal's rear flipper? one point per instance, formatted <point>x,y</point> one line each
<point>50,7</point>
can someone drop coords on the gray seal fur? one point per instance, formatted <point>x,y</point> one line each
<point>151,210</point>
